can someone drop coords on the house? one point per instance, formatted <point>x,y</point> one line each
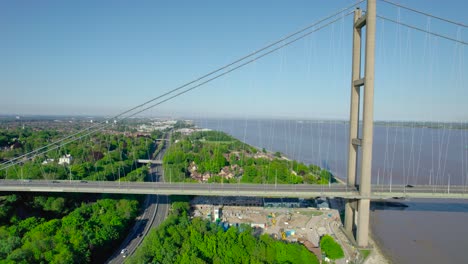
<point>206,176</point>
<point>226,173</point>
<point>65,160</point>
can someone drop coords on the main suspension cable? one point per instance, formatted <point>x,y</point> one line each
<point>105,124</point>
<point>118,116</point>
<point>423,30</point>
<point>424,13</point>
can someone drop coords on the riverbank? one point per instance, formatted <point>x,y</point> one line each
<point>376,256</point>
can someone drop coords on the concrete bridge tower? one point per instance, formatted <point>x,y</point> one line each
<point>357,211</point>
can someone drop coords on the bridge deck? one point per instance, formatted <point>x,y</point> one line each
<point>217,189</point>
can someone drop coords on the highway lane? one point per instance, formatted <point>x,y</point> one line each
<point>133,239</point>
<point>163,200</point>
<point>264,190</point>
<point>219,186</point>
<point>155,186</point>
<point>163,209</point>
<point>155,211</point>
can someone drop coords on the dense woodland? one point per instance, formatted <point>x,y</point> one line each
<point>210,151</point>
<point>194,241</point>
<point>69,228</point>
<point>101,156</point>
<point>62,229</point>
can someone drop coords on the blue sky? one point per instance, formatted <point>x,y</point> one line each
<point>102,57</point>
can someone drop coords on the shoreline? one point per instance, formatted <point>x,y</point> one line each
<point>382,254</point>
<point>377,255</point>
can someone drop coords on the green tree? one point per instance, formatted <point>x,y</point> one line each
<point>181,240</point>
<point>326,177</point>
<point>331,249</point>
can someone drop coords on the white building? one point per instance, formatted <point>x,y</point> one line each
<point>47,161</point>
<point>65,160</point>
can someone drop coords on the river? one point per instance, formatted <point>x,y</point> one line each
<point>427,231</point>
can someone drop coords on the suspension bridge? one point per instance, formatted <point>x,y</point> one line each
<point>358,190</point>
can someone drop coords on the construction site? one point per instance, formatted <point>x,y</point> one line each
<point>292,220</point>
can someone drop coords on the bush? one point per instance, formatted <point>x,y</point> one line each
<point>331,249</point>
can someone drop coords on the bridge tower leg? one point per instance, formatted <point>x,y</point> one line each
<point>366,142</point>
<point>351,205</point>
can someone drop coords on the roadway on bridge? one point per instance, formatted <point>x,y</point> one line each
<point>219,189</point>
